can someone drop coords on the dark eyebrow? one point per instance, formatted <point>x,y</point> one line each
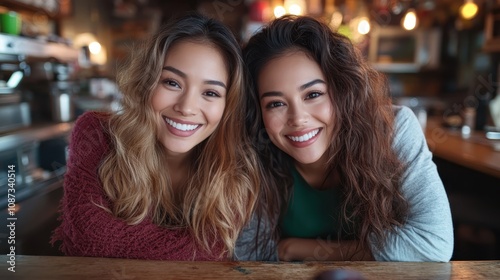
<point>175,70</point>
<point>271,93</point>
<point>311,83</point>
<point>301,88</point>
<point>216,83</point>
<point>183,75</point>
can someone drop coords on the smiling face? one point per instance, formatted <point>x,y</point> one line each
<point>190,97</point>
<point>296,109</point>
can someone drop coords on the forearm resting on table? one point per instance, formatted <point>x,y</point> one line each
<point>300,249</point>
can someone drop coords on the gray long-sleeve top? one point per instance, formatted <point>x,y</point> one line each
<point>428,233</point>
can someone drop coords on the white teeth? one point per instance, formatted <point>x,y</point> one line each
<point>304,137</point>
<point>183,127</point>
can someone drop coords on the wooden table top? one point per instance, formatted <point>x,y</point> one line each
<point>475,152</point>
<point>54,267</point>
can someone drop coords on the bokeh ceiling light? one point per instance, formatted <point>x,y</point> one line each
<point>295,7</point>
<point>279,11</point>
<point>410,21</point>
<point>95,47</point>
<point>336,20</point>
<point>363,26</point>
<point>97,51</point>
<point>468,10</point>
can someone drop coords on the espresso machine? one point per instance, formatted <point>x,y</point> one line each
<point>36,111</point>
<point>14,112</point>
<point>36,82</point>
<point>50,90</point>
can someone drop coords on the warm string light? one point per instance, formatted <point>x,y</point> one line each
<point>362,25</point>
<point>409,22</point>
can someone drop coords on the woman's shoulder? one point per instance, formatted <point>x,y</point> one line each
<point>407,129</point>
<point>92,121</point>
<point>92,118</point>
<point>402,113</point>
<point>93,126</point>
<point>405,119</point>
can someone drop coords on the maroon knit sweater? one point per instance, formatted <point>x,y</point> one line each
<point>88,230</point>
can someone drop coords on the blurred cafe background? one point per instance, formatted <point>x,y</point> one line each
<point>58,59</point>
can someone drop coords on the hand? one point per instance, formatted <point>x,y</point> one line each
<point>300,249</point>
<point>296,249</point>
<point>284,248</point>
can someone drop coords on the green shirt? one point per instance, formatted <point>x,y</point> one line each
<point>311,213</point>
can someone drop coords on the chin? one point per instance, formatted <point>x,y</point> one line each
<point>306,160</point>
<point>177,149</point>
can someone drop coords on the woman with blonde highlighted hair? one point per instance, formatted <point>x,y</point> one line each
<point>171,175</point>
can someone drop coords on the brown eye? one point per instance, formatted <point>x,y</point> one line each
<point>275,104</point>
<point>171,83</point>
<point>314,94</point>
<point>211,94</point>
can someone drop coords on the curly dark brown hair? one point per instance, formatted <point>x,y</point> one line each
<point>361,151</point>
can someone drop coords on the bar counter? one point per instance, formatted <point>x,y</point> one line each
<point>55,267</point>
<point>475,151</point>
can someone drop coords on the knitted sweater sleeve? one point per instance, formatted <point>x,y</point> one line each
<point>87,229</point>
<point>428,232</point>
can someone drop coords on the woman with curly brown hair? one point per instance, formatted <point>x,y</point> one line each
<point>172,175</point>
<point>350,176</point>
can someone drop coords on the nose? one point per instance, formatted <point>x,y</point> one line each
<point>297,116</point>
<point>186,105</point>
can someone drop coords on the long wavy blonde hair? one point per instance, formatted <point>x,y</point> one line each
<point>220,193</point>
